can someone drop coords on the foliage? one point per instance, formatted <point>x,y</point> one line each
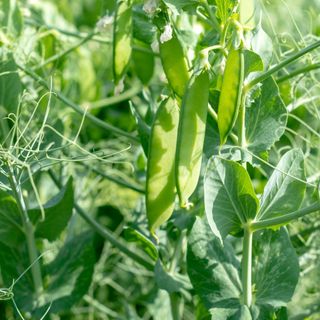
<point>159,159</point>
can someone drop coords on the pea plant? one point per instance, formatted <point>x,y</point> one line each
<point>159,159</point>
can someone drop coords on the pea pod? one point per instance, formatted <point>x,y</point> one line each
<point>174,65</point>
<point>230,95</point>
<point>143,63</point>
<point>191,134</point>
<point>160,188</point>
<point>122,35</point>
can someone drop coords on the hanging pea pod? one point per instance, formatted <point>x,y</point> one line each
<point>191,134</point>
<point>174,64</point>
<point>231,92</point>
<point>143,62</point>
<point>122,37</point>
<point>160,188</point>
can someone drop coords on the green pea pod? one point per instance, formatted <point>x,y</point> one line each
<point>143,63</point>
<point>230,95</point>
<point>174,65</point>
<point>160,188</point>
<point>122,36</point>
<point>191,134</point>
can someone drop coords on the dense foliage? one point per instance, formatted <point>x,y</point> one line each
<point>159,159</point>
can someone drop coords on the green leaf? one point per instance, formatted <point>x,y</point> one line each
<point>229,196</point>
<point>143,29</point>
<point>214,271</point>
<point>70,274</point>
<point>10,85</point>
<point>132,235</point>
<point>261,43</point>
<point>212,268</point>
<point>266,117</point>
<point>170,282</point>
<point>11,231</point>
<point>57,214</point>
<point>252,62</point>
<point>177,5</point>
<point>284,191</point>
<point>276,268</point>
<point>225,8</point>
<point>240,313</point>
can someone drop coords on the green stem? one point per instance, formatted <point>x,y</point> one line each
<point>115,99</point>
<point>299,71</point>
<point>79,35</point>
<point>118,181</point>
<point>29,232</point>
<point>282,64</point>
<point>247,267</point>
<point>106,234</point>
<point>175,302</point>
<point>66,52</point>
<point>77,108</point>
<point>285,218</point>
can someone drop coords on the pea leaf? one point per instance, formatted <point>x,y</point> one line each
<point>214,271</point>
<point>261,43</point>
<point>177,5</point>
<point>132,235</point>
<point>10,85</point>
<point>266,117</point>
<point>11,232</point>
<point>58,212</point>
<point>143,29</point>
<point>276,268</point>
<point>252,62</point>
<point>212,268</point>
<point>70,274</point>
<point>170,282</point>
<point>229,196</point>
<point>277,197</point>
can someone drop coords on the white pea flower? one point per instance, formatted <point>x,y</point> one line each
<point>150,7</point>
<point>105,23</point>
<point>166,35</point>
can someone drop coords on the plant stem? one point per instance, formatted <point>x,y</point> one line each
<point>242,121</point>
<point>77,108</point>
<point>115,99</point>
<point>175,302</point>
<point>282,64</point>
<point>247,266</point>
<point>66,52</point>
<point>299,71</point>
<point>116,180</point>
<point>106,234</point>
<point>285,218</point>
<point>29,232</point>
